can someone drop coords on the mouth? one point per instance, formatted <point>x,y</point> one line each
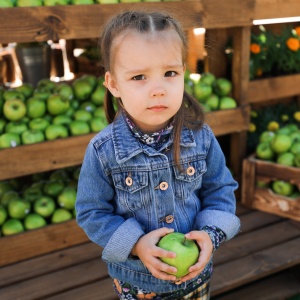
<point>157,108</point>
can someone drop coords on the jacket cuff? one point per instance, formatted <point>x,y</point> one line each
<point>122,241</point>
<point>227,222</point>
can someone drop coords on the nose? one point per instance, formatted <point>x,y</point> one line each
<point>157,92</point>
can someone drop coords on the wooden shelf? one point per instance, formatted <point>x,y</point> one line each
<point>273,88</point>
<point>27,24</point>
<point>41,157</point>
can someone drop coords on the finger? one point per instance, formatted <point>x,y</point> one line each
<point>160,252</point>
<point>163,231</point>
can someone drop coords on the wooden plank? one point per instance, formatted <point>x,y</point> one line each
<point>273,88</point>
<point>241,271</point>
<point>26,24</point>
<point>257,240</point>
<point>248,181</point>
<point>41,157</point>
<point>229,120</point>
<point>268,9</point>
<point>53,283</point>
<point>278,286</point>
<point>48,263</point>
<point>100,290</point>
<point>40,241</point>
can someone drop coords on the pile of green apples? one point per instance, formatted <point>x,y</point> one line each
<point>281,146</point>
<point>213,93</point>
<point>36,201</point>
<point>51,110</point>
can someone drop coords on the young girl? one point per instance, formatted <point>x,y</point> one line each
<point>157,168</point>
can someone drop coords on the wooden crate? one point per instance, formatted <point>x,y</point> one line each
<point>263,198</point>
<point>29,244</point>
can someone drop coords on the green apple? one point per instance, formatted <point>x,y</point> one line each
<point>82,115</point>
<point>61,215</point>
<point>53,188</point>
<point>222,87</point>
<point>97,124</point>
<point>227,103</point>
<point>286,159</point>
<point>44,206</point>
<point>295,148</point>
<point>12,226</point>
<point>60,175</point>
<point>36,107</point>
<point>100,112</point>
<point>88,106</point>
<point>34,221</point>
<point>18,208</point>
<point>295,136</point>
<point>82,89</point>
<point>295,195</point>
<point>79,128</point>
<point>5,186</point>
<point>8,196</point>
<point>213,102</point>
<point>281,143</point>
<point>23,3</point>
<point>2,125</point>
<point>76,173</point>
<point>16,127</point>
<point>57,105</point>
<point>202,91</point>
<point>62,120</point>
<point>70,111</point>
<point>26,89</point>
<point>41,94</point>
<point>55,2</point>
<point>6,3</point>
<point>292,127</point>
<point>266,136</point>
<point>56,131</point>
<point>284,131</point>
<point>13,94</point>
<point>14,109</point>
<point>187,252</point>
<point>297,160</point>
<point>32,136</point>
<point>38,124</point>
<point>67,198</point>
<point>9,140</point>
<point>283,188</point>
<point>79,2</point>
<point>63,89</point>
<point>264,151</point>
<point>98,94</point>
<point>107,1</point>
<point>92,80</point>
<point>46,85</point>
<point>3,214</point>
<point>32,193</point>
<point>208,78</point>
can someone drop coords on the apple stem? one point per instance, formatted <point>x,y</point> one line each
<point>184,241</point>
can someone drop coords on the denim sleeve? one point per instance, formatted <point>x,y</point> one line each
<point>217,194</point>
<point>95,211</point>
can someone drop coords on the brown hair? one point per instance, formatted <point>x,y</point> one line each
<point>190,113</point>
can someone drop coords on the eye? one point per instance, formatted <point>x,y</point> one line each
<point>138,77</point>
<point>170,73</point>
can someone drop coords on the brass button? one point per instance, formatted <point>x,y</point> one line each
<point>169,219</point>
<point>178,281</point>
<point>163,186</point>
<point>190,171</point>
<point>128,181</point>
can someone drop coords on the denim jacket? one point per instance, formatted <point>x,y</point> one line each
<point>127,189</point>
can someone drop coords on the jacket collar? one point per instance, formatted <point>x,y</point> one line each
<point>127,145</point>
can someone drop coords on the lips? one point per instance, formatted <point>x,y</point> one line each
<point>157,108</point>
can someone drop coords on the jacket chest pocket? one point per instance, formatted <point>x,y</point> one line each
<point>132,189</point>
<point>189,178</point>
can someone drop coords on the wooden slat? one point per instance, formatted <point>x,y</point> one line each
<point>229,120</point>
<point>28,24</point>
<point>41,157</point>
<point>278,286</point>
<point>241,271</point>
<point>273,88</point>
<point>100,290</point>
<point>53,283</point>
<point>266,9</point>
<point>40,241</point>
<point>48,263</point>
<point>255,241</point>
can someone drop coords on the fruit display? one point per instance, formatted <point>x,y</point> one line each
<point>213,93</point>
<point>38,200</point>
<point>51,110</point>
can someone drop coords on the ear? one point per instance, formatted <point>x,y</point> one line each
<point>110,83</point>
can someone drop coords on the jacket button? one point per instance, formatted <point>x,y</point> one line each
<point>169,219</point>
<point>128,181</point>
<point>163,186</point>
<point>190,171</point>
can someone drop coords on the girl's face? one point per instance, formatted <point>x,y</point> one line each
<point>148,75</point>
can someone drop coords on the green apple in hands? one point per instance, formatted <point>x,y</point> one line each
<point>187,252</point>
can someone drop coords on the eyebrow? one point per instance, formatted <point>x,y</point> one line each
<point>168,67</point>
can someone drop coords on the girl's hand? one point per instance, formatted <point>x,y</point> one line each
<point>148,252</point>
<point>206,246</point>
